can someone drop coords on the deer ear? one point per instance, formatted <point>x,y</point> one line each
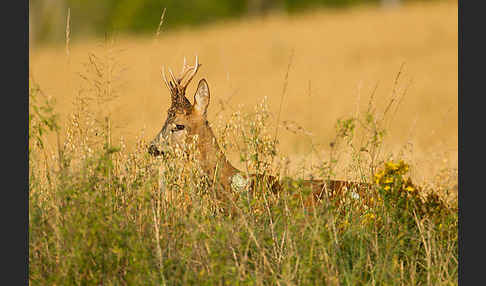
<point>201,97</point>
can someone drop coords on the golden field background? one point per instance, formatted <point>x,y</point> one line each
<point>338,58</point>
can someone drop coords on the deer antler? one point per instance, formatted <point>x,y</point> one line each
<point>175,84</point>
<point>185,70</point>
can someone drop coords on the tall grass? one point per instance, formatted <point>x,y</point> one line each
<point>102,214</point>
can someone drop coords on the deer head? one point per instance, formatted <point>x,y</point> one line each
<point>183,118</point>
<point>186,120</point>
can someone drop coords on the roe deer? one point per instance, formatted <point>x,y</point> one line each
<point>185,120</point>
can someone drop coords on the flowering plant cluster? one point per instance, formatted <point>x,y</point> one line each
<point>392,178</point>
<point>402,198</point>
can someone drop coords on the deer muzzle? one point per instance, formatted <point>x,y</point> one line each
<point>154,151</point>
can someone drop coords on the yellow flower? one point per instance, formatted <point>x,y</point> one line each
<point>409,189</point>
<point>367,218</point>
<point>388,180</point>
<point>392,166</point>
<point>387,188</point>
<point>378,176</point>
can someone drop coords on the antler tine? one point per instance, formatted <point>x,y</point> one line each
<point>194,71</point>
<point>184,72</point>
<point>172,76</point>
<point>165,79</point>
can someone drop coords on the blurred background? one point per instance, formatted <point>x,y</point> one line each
<point>316,61</point>
<point>94,17</point>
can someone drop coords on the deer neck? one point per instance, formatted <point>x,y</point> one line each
<point>212,159</point>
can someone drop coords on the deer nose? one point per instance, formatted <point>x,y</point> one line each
<point>154,151</point>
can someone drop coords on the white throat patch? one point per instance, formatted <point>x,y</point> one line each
<point>238,182</point>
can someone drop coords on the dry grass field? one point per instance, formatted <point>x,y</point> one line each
<point>102,211</point>
<point>336,59</point>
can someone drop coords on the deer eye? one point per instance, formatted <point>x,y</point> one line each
<point>179,127</point>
